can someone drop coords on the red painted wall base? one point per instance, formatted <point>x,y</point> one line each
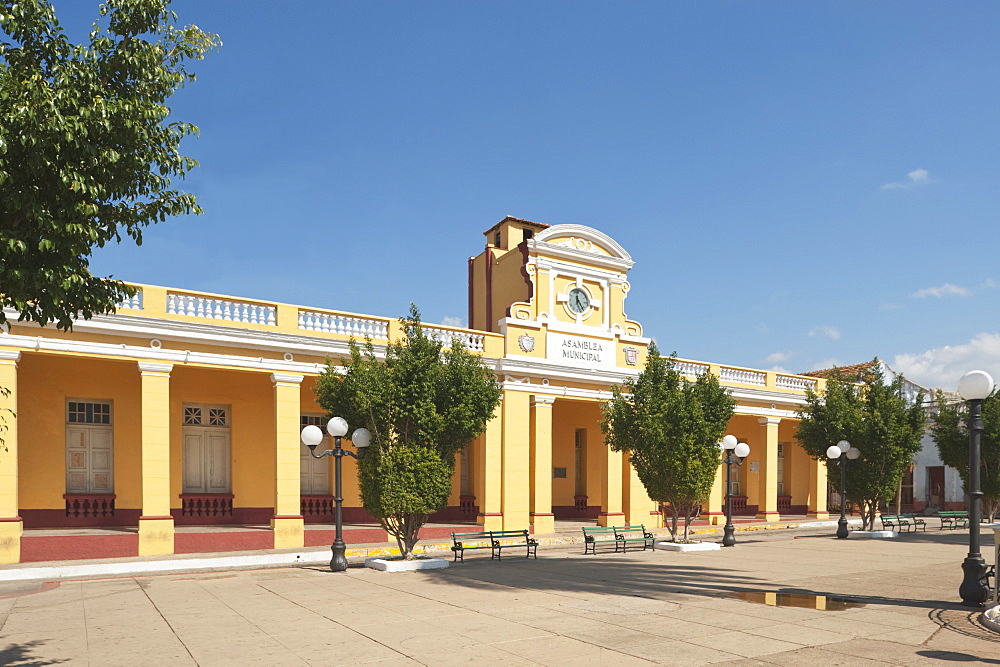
<point>71,547</point>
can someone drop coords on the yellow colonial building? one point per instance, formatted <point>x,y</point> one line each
<point>184,409</point>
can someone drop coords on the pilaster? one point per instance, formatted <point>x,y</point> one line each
<point>11,525</point>
<point>611,488</point>
<point>515,503</point>
<point>542,518</point>
<point>639,509</point>
<point>156,525</point>
<point>817,490</point>
<point>767,493</point>
<point>716,510</point>
<point>287,523</point>
<point>489,469</point>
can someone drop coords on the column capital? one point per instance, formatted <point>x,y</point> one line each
<point>10,355</point>
<point>289,378</point>
<point>542,400</point>
<point>768,420</point>
<point>147,367</point>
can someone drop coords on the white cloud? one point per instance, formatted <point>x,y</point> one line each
<point>778,357</point>
<point>989,283</point>
<point>826,330</point>
<point>941,367</point>
<point>453,322</point>
<point>914,178</point>
<point>943,290</point>
<point>891,306</point>
<point>780,369</point>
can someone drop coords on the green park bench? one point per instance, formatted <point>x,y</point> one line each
<point>632,534</point>
<point>915,521</point>
<point>594,535</point>
<point>494,540</point>
<point>902,522</point>
<point>954,519</point>
<point>619,536</point>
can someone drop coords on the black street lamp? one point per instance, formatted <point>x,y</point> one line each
<point>733,452</point>
<point>842,453</point>
<point>311,437</point>
<point>974,387</point>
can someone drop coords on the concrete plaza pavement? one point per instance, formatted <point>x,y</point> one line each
<point>642,607</point>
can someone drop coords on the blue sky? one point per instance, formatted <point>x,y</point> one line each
<point>799,184</point>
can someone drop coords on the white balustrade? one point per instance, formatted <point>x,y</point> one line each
<point>691,369</point>
<point>133,302</point>
<point>345,325</point>
<point>472,341</point>
<point>742,376</point>
<point>221,309</point>
<point>796,383</point>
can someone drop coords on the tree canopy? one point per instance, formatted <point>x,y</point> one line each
<point>670,427</point>
<point>873,416</point>
<point>87,154</point>
<point>423,404</point>
<point>952,439</point>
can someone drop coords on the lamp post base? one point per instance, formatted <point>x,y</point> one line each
<point>339,561</point>
<point>842,528</point>
<point>974,590</point>
<point>729,535</point>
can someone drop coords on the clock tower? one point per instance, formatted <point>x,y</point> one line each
<point>557,294</point>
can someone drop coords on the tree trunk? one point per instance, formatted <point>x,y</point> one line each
<point>689,511</point>
<point>405,528</point>
<point>673,522</point>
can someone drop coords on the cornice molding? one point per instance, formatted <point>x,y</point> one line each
<point>563,267</point>
<point>211,334</point>
<point>557,392</point>
<point>154,355</point>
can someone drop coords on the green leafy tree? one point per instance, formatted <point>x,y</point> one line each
<point>876,418</point>
<point>86,152</point>
<point>670,428</point>
<point>952,439</point>
<point>423,405</point>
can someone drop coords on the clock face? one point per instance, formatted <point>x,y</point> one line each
<point>578,301</point>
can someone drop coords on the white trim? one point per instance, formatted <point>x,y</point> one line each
<point>205,334</point>
<point>146,367</point>
<point>754,411</point>
<point>580,231</point>
<point>172,356</point>
<point>540,369</point>
<point>577,258</point>
<point>544,322</point>
<point>10,355</point>
<point>287,378</point>
<point>567,392</point>
<point>563,268</point>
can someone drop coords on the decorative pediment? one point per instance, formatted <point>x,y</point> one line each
<point>581,239</point>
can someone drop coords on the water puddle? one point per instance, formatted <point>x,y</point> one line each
<point>801,600</point>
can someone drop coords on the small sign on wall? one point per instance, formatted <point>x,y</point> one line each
<point>755,466</point>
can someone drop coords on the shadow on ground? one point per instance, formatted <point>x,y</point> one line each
<point>20,654</point>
